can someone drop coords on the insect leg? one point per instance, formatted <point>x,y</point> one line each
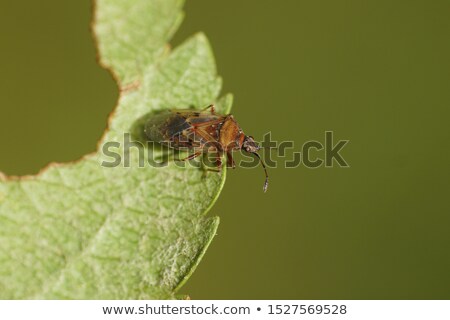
<point>192,156</point>
<point>211,106</point>
<point>219,161</point>
<point>218,167</point>
<point>230,160</point>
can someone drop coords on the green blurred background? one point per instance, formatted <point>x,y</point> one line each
<point>375,72</point>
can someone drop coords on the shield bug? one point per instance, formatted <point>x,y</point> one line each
<point>201,132</point>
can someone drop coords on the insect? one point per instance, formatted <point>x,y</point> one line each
<point>201,132</point>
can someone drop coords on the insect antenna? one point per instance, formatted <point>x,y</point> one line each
<point>266,182</point>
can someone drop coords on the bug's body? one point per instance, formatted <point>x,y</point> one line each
<point>201,131</point>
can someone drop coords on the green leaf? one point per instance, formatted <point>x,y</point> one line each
<point>85,231</point>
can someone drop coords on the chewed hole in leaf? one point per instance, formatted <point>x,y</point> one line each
<point>85,231</point>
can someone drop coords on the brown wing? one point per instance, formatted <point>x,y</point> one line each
<point>205,129</point>
<point>190,128</point>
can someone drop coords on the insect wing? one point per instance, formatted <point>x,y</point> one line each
<point>204,126</point>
